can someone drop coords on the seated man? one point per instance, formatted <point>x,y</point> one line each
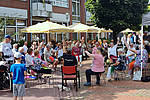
<point>119,65</point>
<point>48,57</point>
<point>68,59</point>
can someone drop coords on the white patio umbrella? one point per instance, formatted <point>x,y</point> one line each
<point>127,30</point>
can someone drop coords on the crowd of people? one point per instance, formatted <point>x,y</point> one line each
<point>44,58</point>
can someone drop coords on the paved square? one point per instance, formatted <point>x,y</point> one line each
<point>115,90</point>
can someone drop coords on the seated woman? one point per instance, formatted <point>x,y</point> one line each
<point>29,58</point>
<point>137,62</point>
<point>21,51</point>
<point>39,65</point>
<point>29,61</point>
<point>60,53</point>
<point>97,66</point>
<point>119,65</point>
<point>130,55</point>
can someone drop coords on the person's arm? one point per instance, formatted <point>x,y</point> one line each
<point>115,64</point>
<point>25,73</point>
<point>117,42</point>
<point>25,70</point>
<point>135,51</point>
<point>130,55</point>
<point>127,45</point>
<point>90,55</point>
<point>12,74</point>
<point>75,60</point>
<point>63,61</point>
<point>45,56</point>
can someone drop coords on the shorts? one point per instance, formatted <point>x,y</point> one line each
<point>19,90</point>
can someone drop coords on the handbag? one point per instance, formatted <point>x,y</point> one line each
<point>137,76</point>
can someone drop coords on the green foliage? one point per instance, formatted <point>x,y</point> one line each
<point>2,22</point>
<point>117,14</point>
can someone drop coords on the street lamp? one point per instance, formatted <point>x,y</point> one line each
<point>67,18</point>
<point>5,15</point>
<point>31,17</point>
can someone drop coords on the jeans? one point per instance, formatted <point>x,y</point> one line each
<point>89,72</point>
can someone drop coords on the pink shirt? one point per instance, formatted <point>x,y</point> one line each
<point>98,63</point>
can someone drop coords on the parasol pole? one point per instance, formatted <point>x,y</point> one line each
<point>62,36</point>
<point>56,36</point>
<point>80,36</point>
<point>92,36</point>
<point>48,36</point>
<point>98,36</point>
<point>141,49</point>
<point>77,36</point>
<point>86,37</point>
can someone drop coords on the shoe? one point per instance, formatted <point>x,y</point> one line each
<point>97,83</point>
<point>87,84</point>
<point>117,79</point>
<point>128,76</point>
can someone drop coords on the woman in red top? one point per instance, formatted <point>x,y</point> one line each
<point>76,51</point>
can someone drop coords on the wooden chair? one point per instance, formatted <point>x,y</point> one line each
<point>70,73</point>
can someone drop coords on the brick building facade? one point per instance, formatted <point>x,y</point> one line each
<point>16,15</point>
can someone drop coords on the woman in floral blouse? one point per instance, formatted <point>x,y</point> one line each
<point>137,62</point>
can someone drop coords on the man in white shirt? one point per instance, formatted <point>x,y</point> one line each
<point>25,47</point>
<point>6,49</point>
<point>112,53</point>
<point>47,52</point>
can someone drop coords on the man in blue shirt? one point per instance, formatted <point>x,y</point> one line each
<point>18,71</point>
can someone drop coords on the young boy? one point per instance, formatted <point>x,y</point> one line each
<point>18,71</point>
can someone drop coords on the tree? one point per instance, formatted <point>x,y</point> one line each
<point>2,23</point>
<point>117,14</point>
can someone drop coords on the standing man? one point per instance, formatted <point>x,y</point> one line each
<point>25,47</point>
<point>6,49</point>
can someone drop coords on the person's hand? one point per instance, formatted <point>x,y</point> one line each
<point>117,42</point>
<point>85,51</point>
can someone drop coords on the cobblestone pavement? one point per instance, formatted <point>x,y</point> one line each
<point>116,90</point>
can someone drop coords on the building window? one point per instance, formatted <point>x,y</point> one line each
<point>13,27</point>
<point>76,10</point>
<point>10,22</point>
<point>60,3</point>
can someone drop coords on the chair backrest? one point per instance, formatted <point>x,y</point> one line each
<point>69,70</point>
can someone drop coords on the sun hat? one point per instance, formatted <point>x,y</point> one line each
<point>17,55</point>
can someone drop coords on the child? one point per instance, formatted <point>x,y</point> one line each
<point>18,71</point>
